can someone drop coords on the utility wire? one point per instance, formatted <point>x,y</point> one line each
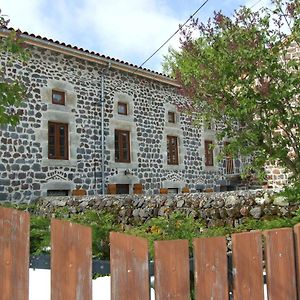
<point>255,4</point>
<point>173,34</point>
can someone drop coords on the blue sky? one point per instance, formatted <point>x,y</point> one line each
<point>129,30</point>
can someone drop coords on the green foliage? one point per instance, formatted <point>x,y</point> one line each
<point>39,235</point>
<point>11,92</point>
<point>292,192</point>
<point>238,71</point>
<point>176,226</point>
<point>102,224</point>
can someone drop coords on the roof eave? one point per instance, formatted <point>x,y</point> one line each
<point>46,44</point>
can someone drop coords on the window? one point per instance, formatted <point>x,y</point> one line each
<point>172,150</point>
<point>171,117</point>
<point>172,191</point>
<point>209,154</point>
<point>122,146</point>
<point>122,188</point>
<point>122,108</point>
<point>57,193</point>
<point>58,97</point>
<point>228,161</point>
<point>57,141</point>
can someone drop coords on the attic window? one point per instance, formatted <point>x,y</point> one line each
<point>171,117</point>
<point>58,97</point>
<point>122,108</point>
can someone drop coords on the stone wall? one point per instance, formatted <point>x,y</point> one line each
<point>217,209</point>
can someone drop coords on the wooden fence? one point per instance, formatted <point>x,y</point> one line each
<point>71,264</point>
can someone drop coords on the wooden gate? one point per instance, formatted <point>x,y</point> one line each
<point>273,252</point>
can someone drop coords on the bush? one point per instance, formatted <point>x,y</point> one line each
<point>175,226</point>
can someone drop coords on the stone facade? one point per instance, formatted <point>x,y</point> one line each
<point>93,83</point>
<point>27,173</point>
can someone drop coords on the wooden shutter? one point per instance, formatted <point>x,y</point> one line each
<point>138,188</point>
<point>111,188</point>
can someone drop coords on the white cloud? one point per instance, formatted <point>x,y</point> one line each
<point>26,16</point>
<point>128,28</point>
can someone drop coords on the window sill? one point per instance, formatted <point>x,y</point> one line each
<point>124,165</point>
<point>59,163</point>
<point>210,168</point>
<point>174,167</point>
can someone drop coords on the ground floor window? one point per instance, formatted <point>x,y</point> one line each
<point>122,188</point>
<point>57,193</point>
<point>172,191</point>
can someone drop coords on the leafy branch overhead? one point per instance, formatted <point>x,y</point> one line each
<point>12,92</point>
<point>244,72</point>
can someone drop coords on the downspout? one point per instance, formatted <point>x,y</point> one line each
<point>102,100</point>
<point>102,103</point>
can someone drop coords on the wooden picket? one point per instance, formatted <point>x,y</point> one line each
<point>71,261</point>
<point>171,270</point>
<point>14,254</point>
<point>280,263</point>
<point>71,267</point>
<point>129,267</point>
<point>211,272</point>
<point>247,266</point>
<point>297,256</point>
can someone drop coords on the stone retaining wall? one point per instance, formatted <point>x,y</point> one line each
<point>217,209</point>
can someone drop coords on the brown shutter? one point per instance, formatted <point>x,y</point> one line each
<point>185,190</point>
<point>79,192</point>
<point>111,188</point>
<point>163,191</point>
<point>138,188</point>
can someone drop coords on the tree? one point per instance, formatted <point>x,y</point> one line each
<point>239,71</point>
<point>12,92</point>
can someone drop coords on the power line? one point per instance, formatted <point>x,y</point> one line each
<point>173,34</point>
<point>255,4</point>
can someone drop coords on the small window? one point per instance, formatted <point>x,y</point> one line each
<point>171,117</point>
<point>57,193</point>
<point>122,146</point>
<point>122,188</point>
<point>122,108</point>
<point>172,191</point>
<point>209,153</point>
<point>58,141</point>
<point>58,97</point>
<point>172,150</point>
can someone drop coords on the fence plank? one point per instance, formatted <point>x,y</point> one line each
<point>14,254</point>
<point>247,266</point>
<point>171,268</point>
<point>211,269</point>
<point>280,263</point>
<point>297,255</point>
<point>129,267</point>
<point>71,261</point>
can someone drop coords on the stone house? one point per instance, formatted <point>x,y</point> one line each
<point>94,124</point>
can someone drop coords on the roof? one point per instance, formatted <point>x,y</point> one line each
<point>61,47</point>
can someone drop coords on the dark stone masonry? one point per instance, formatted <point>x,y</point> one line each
<point>61,147</point>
